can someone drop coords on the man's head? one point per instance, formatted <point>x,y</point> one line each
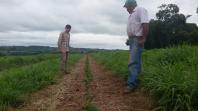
<point>130,5</point>
<point>67,28</point>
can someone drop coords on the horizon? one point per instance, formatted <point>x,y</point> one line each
<point>102,27</point>
<point>57,47</point>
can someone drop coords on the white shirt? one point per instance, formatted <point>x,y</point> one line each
<point>135,21</point>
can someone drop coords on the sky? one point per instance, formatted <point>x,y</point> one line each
<point>95,23</point>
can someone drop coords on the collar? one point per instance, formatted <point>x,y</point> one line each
<point>135,9</point>
<point>66,32</point>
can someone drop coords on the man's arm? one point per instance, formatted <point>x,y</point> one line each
<point>69,41</point>
<point>145,29</point>
<point>59,40</point>
<point>145,25</point>
<point>145,34</point>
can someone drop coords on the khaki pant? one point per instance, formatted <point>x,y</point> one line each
<point>64,60</point>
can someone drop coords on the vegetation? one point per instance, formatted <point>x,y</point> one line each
<point>26,50</point>
<point>33,50</point>
<point>17,83</point>
<point>197,11</point>
<point>7,62</point>
<point>169,75</point>
<point>89,106</point>
<point>116,61</point>
<point>171,29</point>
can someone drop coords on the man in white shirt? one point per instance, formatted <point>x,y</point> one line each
<point>63,46</point>
<point>137,30</point>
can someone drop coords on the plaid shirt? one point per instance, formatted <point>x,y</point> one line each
<point>63,41</point>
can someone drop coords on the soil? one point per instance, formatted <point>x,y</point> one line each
<point>108,91</point>
<point>65,95</point>
<point>68,93</point>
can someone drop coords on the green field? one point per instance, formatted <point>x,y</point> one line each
<point>7,62</point>
<point>23,75</point>
<point>169,75</point>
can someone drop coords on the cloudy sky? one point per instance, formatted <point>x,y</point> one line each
<point>95,23</point>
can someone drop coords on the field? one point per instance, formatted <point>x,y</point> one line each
<point>169,75</point>
<point>22,75</point>
<point>168,82</point>
<point>7,62</point>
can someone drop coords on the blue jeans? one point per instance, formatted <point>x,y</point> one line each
<point>134,66</point>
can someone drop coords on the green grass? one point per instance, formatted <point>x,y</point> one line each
<point>7,62</point>
<point>89,106</point>
<point>169,75</point>
<point>116,61</point>
<point>17,83</point>
<point>88,75</point>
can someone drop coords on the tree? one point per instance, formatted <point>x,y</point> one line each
<point>171,28</point>
<point>170,14</point>
<point>197,10</point>
<point>167,11</point>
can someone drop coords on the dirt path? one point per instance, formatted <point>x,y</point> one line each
<point>108,92</point>
<point>66,95</point>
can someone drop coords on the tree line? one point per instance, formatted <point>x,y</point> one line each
<point>171,29</point>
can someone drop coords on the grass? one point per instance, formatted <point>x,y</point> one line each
<point>169,75</point>
<point>89,106</point>
<point>17,83</point>
<point>7,62</point>
<point>116,61</point>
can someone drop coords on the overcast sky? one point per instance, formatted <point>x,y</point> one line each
<point>95,23</point>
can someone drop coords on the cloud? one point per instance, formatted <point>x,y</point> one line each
<point>31,20</point>
<point>80,40</point>
<point>83,15</point>
<point>103,41</point>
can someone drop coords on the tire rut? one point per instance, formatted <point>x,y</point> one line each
<point>108,92</point>
<point>67,94</point>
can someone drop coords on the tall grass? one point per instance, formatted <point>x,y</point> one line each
<point>116,61</point>
<point>17,83</point>
<point>169,75</point>
<point>7,62</point>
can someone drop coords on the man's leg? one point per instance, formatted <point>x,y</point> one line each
<point>66,61</point>
<point>139,59</point>
<point>134,66</point>
<point>63,61</point>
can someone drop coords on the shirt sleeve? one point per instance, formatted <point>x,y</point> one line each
<point>69,40</point>
<point>59,40</point>
<point>143,15</point>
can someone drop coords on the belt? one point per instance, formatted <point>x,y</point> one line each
<point>133,36</point>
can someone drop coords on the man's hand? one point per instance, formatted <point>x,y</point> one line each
<point>127,42</point>
<point>141,41</point>
<point>62,50</point>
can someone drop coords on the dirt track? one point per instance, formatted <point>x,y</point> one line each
<point>109,96</point>
<point>68,94</point>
